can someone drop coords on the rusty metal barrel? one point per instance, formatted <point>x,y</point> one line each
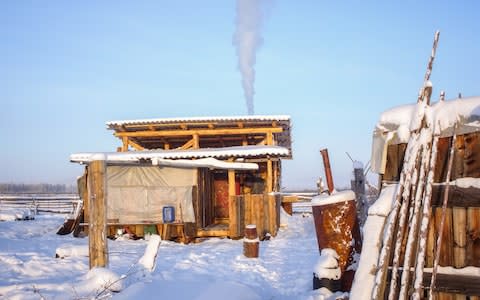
<point>337,228</point>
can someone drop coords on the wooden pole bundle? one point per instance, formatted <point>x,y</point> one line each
<point>415,219</point>
<point>415,189</point>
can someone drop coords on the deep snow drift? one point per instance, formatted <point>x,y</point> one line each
<point>213,269</point>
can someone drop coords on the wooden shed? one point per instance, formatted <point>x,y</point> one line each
<point>218,173</point>
<point>435,208</point>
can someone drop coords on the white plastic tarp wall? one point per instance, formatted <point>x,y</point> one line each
<point>137,194</point>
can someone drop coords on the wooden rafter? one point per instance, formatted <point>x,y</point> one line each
<point>187,145</point>
<point>135,145</point>
<point>200,132</point>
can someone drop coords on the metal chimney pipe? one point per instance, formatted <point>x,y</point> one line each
<point>328,170</point>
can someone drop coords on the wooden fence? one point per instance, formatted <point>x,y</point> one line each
<point>45,203</point>
<point>261,210</point>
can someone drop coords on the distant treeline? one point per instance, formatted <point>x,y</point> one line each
<point>47,188</point>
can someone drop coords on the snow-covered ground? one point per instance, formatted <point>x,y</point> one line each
<point>212,269</point>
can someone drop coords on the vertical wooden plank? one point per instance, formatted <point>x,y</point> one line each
<point>139,230</point>
<point>276,181</point>
<point>272,215</point>
<point>458,159</point>
<point>248,209</point>
<point>97,194</point>
<point>446,248</point>
<point>269,176</point>
<point>84,195</point>
<point>241,215</point>
<point>431,240</point>
<point>459,297</point>
<point>232,205</point>
<point>266,213</point>
<point>473,236</point>
<point>444,296</point>
<point>459,236</point>
<point>440,171</point>
<point>260,213</point>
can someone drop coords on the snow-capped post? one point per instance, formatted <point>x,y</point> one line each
<point>328,170</point>
<point>97,194</point>
<point>251,241</point>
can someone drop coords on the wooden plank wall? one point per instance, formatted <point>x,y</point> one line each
<point>461,233</point>
<point>263,211</point>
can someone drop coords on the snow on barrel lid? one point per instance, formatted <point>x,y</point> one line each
<point>333,198</point>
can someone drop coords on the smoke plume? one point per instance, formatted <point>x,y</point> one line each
<point>247,40</point>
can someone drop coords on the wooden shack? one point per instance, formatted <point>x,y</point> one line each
<point>425,193</point>
<point>218,173</point>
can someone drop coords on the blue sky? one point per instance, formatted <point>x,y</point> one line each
<point>66,68</point>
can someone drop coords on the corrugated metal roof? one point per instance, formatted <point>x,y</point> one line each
<point>201,119</point>
<point>240,151</point>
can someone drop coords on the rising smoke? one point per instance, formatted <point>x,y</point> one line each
<point>247,40</point>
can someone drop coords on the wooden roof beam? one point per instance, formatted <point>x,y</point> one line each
<point>205,132</point>
<point>187,145</point>
<point>135,145</point>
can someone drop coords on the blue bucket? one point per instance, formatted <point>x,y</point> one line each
<point>168,214</point>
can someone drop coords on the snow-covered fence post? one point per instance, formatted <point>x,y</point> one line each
<point>97,194</point>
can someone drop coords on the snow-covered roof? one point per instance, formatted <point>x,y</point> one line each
<point>442,116</point>
<point>159,155</point>
<point>200,119</point>
<point>395,125</point>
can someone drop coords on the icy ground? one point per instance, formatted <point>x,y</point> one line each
<point>213,269</point>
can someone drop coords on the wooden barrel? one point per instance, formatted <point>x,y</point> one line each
<point>251,241</point>
<point>337,228</point>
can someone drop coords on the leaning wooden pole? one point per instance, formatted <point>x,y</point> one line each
<point>378,290</point>
<point>444,213</point>
<point>413,223</point>
<point>97,194</point>
<point>328,170</point>
<point>402,228</point>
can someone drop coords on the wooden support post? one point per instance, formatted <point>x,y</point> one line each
<point>124,143</point>
<point>270,140</point>
<point>269,176</point>
<point>244,140</point>
<point>196,141</point>
<point>97,194</point>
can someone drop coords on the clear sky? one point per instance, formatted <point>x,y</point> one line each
<point>68,67</point>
